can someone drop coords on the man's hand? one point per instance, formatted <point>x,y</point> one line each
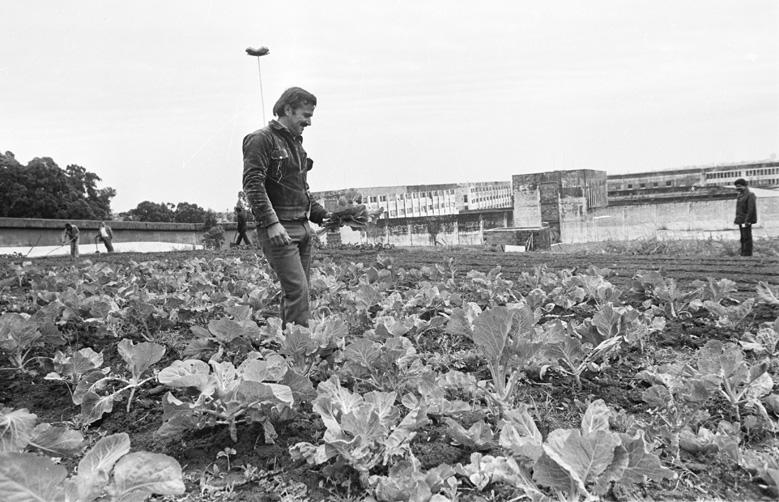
<point>329,221</point>
<point>278,235</point>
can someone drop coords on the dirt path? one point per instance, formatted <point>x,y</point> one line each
<point>746,272</point>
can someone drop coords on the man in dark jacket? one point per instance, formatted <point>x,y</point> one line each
<point>746,215</point>
<point>240,218</point>
<point>275,170</point>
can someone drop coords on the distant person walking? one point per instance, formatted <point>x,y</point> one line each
<point>71,235</point>
<point>105,234</point>
<point>746,215</point>
<point>240,217</point>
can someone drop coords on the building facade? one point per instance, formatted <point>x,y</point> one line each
<point>412,201</point>
<point>545,199</point>
<point>758,174</point>
<point>657,180</point>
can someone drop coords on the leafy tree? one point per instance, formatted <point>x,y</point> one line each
<point>189,213</point>
<point>42,189</point>
<point>210,219</point>
<point>151,211</point>
<point>183,212</point>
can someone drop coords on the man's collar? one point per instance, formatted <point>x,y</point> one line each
<point>278,126</point>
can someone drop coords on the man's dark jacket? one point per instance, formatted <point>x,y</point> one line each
<point>746,208</point>
<point>275,168</point>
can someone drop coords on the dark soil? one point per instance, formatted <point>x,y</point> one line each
<point>555,401</point>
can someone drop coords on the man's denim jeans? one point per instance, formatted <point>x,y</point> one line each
<point>291,264</point>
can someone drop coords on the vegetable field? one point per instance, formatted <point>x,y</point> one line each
<point>425,375</point>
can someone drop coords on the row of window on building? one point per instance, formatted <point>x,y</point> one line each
<point>764,182</point>
<point>763,172</point>
<point>654,184</point>
<point>723,175</point>
<point>409,195</point>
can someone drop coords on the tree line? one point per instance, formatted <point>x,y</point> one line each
<point>42,189</point>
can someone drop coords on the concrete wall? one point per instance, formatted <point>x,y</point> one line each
<point>555,194</point>
<point>41,232</point>
<point>677,219</point>
<point>527,205</point>
<point>462,229</point>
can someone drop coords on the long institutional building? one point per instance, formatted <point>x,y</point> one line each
<point>409,201</point>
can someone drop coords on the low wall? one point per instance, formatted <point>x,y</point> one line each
<point>677,219</point>
<point>42,232</point>
<point>463,229</point>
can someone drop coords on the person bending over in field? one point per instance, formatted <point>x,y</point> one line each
<point>71,235</point>
<point>275,170</point>
<point>746,215</point>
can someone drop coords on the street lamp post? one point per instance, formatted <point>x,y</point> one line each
<point>258,53</point>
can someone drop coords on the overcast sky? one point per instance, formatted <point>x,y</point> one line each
<point>155,97</point>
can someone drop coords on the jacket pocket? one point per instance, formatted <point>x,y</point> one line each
<point>278,160</point>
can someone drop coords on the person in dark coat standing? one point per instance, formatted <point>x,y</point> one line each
<point>746,215</point>
<point>240,217</point>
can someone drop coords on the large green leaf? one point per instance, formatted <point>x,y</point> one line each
<point>16,429</point>
<point>583,457</point>
<point>249,392</point>
<point>642,463</point>
<point>547,472</point>
<point>607,320</point>
<point>95,467</point>
<point>301,387</point>
<point>362,352</point>
<point>491,331</point>
<point>83,361</point>
<point>140,474</point>
<point>596,417</point>
<point>25,477</point>
<point>461,320</point>
<point>271,369</point>
<point>140,357</point>
<point>188,373</point>
<point>226,330</point>
<point>17,332</point>
<point>478,437</point>
<point>383,404</point>
<point>328,331</point>
<point>298,343</point>
<point>94,406</point>
<point>520,435</point>
<point>486,469</point>
<point>57,441</point>
<point>85,383</point>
